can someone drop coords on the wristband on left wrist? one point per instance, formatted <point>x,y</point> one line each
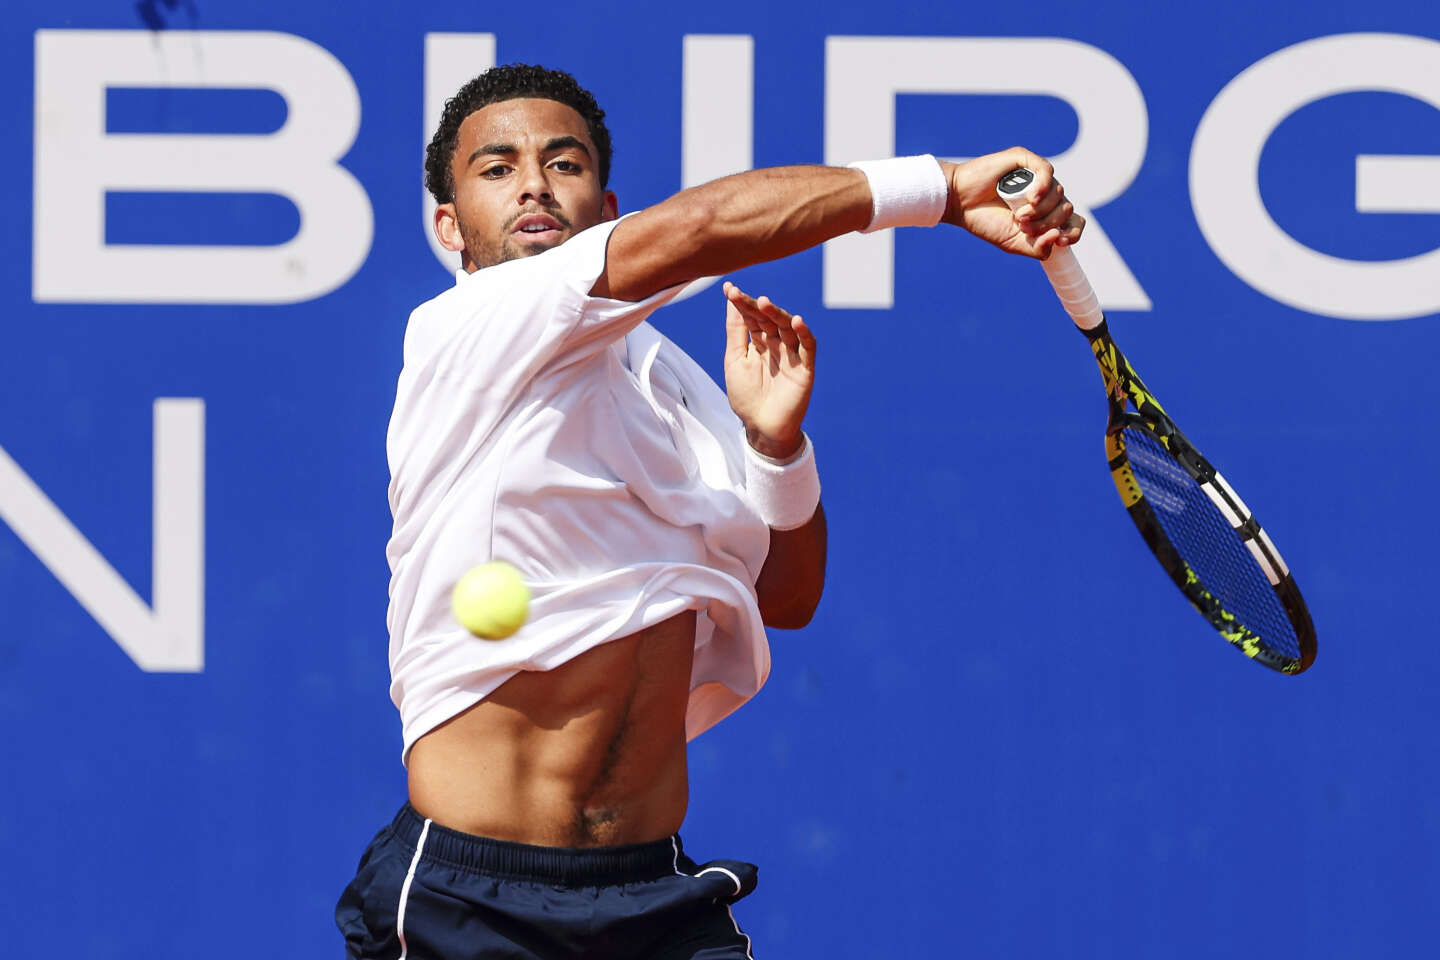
<point>785,495</point>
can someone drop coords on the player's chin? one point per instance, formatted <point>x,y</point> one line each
<point>516,248</point>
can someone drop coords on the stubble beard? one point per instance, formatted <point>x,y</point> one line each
<point>488,255</point>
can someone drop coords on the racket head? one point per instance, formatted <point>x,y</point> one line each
<point>1199,529</point>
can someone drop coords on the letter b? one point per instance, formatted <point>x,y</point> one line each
<point>76,162</point>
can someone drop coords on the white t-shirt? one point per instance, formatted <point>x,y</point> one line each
<point>557,431</point>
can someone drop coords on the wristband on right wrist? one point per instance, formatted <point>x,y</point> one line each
<point>905,192</point>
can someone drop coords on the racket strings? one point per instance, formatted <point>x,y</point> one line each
<point>1207,542</point>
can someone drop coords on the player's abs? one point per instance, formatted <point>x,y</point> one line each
<point>591,753</point>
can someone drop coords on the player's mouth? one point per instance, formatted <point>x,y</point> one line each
<point>536,227</point>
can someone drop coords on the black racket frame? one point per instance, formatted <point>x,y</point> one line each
<point>1132,405</point>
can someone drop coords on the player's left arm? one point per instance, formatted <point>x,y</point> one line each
<point>793,577</point>
<point>769,373</point>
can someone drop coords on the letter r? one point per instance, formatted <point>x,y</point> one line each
<point>863,76</point>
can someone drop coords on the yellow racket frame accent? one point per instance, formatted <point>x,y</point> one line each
<point>1126,392</point>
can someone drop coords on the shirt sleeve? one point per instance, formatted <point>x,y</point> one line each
<point>536,312</point>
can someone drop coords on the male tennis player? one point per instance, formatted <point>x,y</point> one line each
<point>660,523</point>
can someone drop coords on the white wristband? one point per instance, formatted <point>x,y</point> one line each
<point>784,494</point>
<point>905,192</point>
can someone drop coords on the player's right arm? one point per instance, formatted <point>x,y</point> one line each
<point>767,214</point>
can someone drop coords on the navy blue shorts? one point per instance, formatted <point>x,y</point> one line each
<point>425,892</point>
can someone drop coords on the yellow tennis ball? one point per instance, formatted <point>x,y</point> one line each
<point>491,601</point>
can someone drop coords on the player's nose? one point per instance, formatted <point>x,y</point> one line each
<point>534,185</point>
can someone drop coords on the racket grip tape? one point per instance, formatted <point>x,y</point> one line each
<point>1066,276</point>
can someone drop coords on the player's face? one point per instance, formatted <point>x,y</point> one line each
<point>527,179</point>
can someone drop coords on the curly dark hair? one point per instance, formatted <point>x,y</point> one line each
<point>509,82</point>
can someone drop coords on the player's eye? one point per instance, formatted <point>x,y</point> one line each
<point>495,172</point>
<point>567,166</point>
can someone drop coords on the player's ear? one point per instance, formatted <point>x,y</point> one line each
<point>610,209</point>
<point>447,228</point>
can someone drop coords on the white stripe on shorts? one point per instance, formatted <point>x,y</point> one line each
<point>676,847</point>
<point>733,879</point>
<point>742,933</point>
<point>405,890</point>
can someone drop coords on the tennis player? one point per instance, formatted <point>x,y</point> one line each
<point>660,523</point>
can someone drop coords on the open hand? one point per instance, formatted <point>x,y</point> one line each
<point>769,370</point>
<point>1033,230</point>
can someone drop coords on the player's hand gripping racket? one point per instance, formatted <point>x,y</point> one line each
<point>1199,529</point>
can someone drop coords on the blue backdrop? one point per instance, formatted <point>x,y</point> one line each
<point>1005,733</point>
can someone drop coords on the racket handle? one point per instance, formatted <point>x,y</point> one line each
<point>1069,280</point>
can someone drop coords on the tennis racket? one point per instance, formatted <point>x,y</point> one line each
<point>1193,521</point>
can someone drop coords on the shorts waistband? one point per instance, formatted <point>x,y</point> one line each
<point>562,866</point>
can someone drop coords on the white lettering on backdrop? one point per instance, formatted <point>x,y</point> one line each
<point>77,162</point>
<point>169,634</point>
<point>1225,177</point>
